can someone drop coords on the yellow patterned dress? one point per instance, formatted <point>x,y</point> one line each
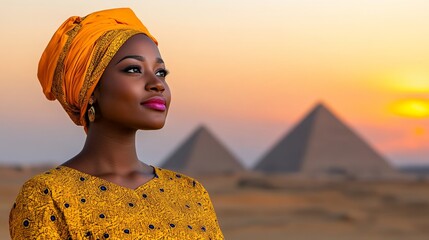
<point>65,203</point>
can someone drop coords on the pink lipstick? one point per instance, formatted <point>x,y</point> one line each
<point>155,103</point>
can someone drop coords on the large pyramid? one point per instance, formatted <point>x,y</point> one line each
<point>202,153</point>
<point>321,143</point>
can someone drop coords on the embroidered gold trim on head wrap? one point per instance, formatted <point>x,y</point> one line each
<point>78,53</point>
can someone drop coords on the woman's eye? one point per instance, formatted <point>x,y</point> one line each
<point>132,69</point>
<point>162,73</point>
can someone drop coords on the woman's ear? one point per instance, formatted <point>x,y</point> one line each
<point>91,100</point>
<point>96,93</point>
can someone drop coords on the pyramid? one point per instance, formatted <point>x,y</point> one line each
<point>321,143</point>
<point>202,153</point>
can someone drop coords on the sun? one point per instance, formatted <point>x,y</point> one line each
<point>413,108</point>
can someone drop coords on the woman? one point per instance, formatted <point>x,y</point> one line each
<point>106,71</point>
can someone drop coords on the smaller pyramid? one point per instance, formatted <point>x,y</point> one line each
<point>202,153</point>
<point>321,143</point>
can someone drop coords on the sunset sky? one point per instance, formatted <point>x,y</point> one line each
<point>248,70</point>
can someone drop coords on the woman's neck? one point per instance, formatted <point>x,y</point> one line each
<point>108,151</point>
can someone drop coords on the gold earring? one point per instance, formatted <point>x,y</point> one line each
<point>91,110</point>
<point>91,114</point>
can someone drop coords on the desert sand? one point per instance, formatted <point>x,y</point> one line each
<point>255,206</point>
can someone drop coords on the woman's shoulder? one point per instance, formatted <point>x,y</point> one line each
<point>46,181</point>
<point>179,179</point>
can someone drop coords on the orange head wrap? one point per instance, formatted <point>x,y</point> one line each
<point>78,53</point>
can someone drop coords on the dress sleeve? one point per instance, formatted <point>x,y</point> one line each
<point>209,213</point>
<point>35,216</point>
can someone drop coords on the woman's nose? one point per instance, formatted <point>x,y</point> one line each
<point>155,84</point>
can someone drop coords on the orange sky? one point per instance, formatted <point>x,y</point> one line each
<point>249,70</point>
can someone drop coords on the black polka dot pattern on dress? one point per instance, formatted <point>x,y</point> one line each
<point>100,211</point>
<point>26,223</point>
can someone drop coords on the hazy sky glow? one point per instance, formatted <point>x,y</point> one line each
<point>249,70</point>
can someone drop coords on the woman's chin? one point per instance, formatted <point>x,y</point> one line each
<point>154,126</point>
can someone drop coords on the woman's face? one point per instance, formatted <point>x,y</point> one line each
<point>133,92</point>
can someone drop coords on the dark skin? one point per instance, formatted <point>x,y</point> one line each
<point>135,74</point>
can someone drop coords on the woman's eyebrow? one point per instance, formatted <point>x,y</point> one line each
<point>159,60</point>
<point>137,57</point>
